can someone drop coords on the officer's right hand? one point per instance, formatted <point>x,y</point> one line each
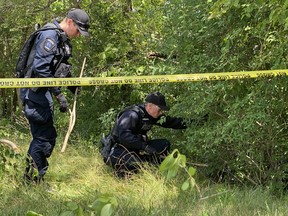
<point>63,103</point>
<point>150,150</point>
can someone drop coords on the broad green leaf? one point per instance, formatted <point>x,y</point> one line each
<point>103,200</point>
<point>97,205</point>
<point>32,213</point>
<point>72,206</point>
<point>185,185</point>
<point>191,171</point>
<point>167,163</point>
<point>107,210</point>
<point>80,211</point>
<point>140,69</point>
<point>172,172</point>
<point>113,201</point>
<point>67,213</point>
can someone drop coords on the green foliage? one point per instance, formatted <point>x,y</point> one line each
<point>244,133</point>
<point>171,165</point>
<point>58,6</point>
<point>9,162</point>
<point>73,209</point>
<point>32,213</point>
<point>105,205</point>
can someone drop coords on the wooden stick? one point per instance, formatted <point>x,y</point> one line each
<point>73,113</point>
<point>10,144</point>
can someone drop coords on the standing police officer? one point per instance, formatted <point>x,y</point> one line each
<point>129,135</point>
<point>51,52</point>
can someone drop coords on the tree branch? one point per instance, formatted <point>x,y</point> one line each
<point>10,144</point>
<point>72,114</point>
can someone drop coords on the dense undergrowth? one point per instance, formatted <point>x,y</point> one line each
<point>81,184</point>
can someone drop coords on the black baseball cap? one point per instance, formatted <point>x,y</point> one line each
<point>158,99</point>
<point>81,19</point>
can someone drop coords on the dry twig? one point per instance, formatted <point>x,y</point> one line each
<point>10,144</point>
<point>72,114</point>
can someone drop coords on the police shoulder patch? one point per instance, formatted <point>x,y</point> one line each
<point>49,44</point>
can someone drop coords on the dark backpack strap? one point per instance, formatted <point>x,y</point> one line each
<point>134,108</point>
<point>60,32</point>
<point>23,64</point>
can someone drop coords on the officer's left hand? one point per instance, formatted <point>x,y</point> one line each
<point>63,103</point>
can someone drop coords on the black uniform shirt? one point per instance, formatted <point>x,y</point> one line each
<point>133,126</point>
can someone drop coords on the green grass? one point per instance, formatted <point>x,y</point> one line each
<point>80,176</point>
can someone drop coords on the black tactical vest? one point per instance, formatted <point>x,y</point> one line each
<point>144,125</point>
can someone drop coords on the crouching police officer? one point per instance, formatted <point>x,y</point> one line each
<point>49,59</point>
<point>130,144</point>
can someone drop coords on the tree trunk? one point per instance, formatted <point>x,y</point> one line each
<point>4,106</point>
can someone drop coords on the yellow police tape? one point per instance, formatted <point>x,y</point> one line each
<point>92,81</point>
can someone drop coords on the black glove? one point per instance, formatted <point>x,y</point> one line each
<point>73,89</point>
<point>63,103</point>
<point>149,150</point>
<point>199,121</point>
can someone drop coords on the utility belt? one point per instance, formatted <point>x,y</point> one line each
<point>37,89</point>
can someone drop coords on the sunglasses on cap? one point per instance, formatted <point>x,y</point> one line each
<point>82,25</point>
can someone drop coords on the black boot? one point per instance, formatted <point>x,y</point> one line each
<point>30,172</point>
